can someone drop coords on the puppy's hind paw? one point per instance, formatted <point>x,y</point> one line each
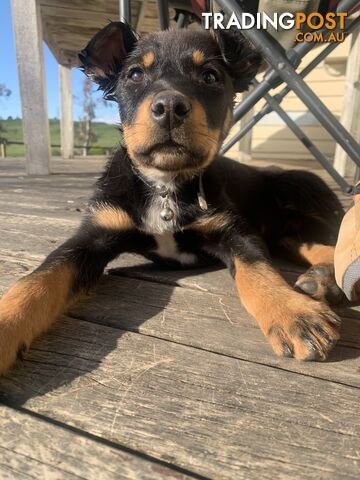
<point>319,283</point>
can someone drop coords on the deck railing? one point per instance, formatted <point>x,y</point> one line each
<point>86,149</point>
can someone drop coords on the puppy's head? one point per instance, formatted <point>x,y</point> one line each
<point>175,90</point>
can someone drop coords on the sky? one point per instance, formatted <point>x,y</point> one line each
<point>11,106</point>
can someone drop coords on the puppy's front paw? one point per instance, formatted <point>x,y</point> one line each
<point>307,330</point>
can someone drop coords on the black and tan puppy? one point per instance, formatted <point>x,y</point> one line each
<point>168,195</point>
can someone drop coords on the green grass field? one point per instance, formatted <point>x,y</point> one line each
<point>107,136</point>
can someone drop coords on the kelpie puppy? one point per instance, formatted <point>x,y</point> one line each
<point>168,195</point>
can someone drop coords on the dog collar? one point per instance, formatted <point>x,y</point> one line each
<point>166,213</point>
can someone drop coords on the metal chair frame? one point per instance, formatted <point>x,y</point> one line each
<point>282,70</point>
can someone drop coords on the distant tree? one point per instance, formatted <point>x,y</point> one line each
<point>4,92</point>
<point>85,132</point>
<point>10,117</point>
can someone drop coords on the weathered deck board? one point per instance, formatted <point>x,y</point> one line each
<point>193,408</point>
<point>211,321</point>
<point>164,363</point>
<point>31,446</point>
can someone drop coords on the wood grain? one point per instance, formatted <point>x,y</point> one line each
<point>32,446</point>
<point>218,416</point>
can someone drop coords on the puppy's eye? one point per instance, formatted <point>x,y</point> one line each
<point>210,76</point>
<point>136,75</point>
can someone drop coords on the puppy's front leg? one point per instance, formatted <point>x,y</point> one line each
<point>296,326</point>
<point>35,302</point>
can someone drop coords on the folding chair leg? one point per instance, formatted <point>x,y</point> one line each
<point>278,60</point>
<point>305,140</point>
<point>163,11</point>
<point>299,51</point>
<point>281,95</point>
<point>241,133</point>
<point>346,6</point>
<point>125,10</point>
<point>181,21</point>
<point>251,100</point>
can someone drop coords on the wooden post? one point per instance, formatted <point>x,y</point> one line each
<point>30,62</point>
<point>245,143</point>
<point>66,118</point>
<point>2,150</point>
<point>142,15</point>
<point>350,116</point>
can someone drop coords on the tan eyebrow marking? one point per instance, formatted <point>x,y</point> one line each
<point>148,59</point>
<point>198,57</point>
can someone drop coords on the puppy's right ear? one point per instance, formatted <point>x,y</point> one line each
<point>104,55</point>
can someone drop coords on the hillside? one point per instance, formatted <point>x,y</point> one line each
<point>107,137</point>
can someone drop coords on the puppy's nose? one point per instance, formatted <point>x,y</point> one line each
<point>170,109</point>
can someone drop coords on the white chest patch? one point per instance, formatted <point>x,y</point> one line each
<point>153,223</point>
<point>167,247</point>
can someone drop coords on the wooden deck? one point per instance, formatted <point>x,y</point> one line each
<point>161,374</point>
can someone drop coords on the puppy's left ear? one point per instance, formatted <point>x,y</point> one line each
<point>104,55</point>
<point>241,58</point>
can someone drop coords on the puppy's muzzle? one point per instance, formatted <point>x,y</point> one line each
<point>170,109</point>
